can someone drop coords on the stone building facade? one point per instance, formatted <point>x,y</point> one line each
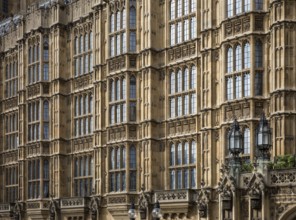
<point>105,103</point>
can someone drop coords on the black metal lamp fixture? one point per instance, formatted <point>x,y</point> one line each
<point>263,140</point>
<point>156,212</point>
<point>235,138</point>
<point>132,212</point>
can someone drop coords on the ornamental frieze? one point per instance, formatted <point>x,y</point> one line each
<point>33,90</point>
<point>182,51</point>
<point>237,26</point>
<point>82,81</point>
<point>11,103</point>
<point>117,63</point>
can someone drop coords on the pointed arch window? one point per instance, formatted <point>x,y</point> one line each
<point>132,17</point>
<point>238,58</point>
<point>247,56</point>
<point>172,83</point>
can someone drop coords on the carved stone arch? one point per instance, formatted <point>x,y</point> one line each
<point>290,214</point>
<point>76,31</point>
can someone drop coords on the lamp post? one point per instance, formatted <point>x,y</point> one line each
<point>132,212</point>
<point>235,147</point>
<point>235,140</point>
<point>263,140</point>
<point>156,212</point>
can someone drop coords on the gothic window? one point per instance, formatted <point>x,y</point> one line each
<point>238,58</point>
<point>238,78</point>
<point>83,180</point>
<point>45,120</point>
<point>83,47</point>
<point>258,54</point>
<point>229,8</point>
<point>172,9</point>
<point>11,183</point>
<point>182,165</point>
<point>117,100</point>
<point>133,166</point>
<point>34,63</point>
<point>258,83</point>
<point>132,87</point>
<point>34,180</point>
<point>182,21</point>
<point>182,91</point>
<point>11,131</point>
<point>132,41</point>
<point>45,178</point>
<point>246,141</point>
<point>33,121</point>
<point>258,4</point>
<point>11,78</point>
<point>83,118</point>
<point>247,55</point>
<point>229,60</point>
<point>235,7</point>
<point>132,17</point>
<point>247,86</point>
<point>117,171</point>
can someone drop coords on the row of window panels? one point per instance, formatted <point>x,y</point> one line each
<point>182,31</point>
<point>118,89</point>
<point>118,43</point>
<point>83,187</point>
<point>179,8</point>
<point>11,123</point>
<point>183,153</point>
<point>83,104</point>
<point>235,7</point>
<point>118,113</point>
<point>11,194</point>
<point>182,105</point>
<point>34,51</point>
<point>11,70</point>
<point>118,181</point>
<point>34,73</point>
<point>83,44</point>
<point>34,111</point>
<point>118,158</point>
<point>11,88</point>
<point>83,126</point>
<point>183,178</point>
<point>240,58</point>
<point>118,20</point>
<point>83,166</point>
<point>34,131</point>
<point>83,64</point>
<point>236,87</point>
<point>34,169</point>
<point>34,190</point>
<point>182,81</point>
<point>11,141</point>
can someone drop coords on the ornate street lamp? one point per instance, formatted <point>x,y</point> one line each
<point>235,137</point>
<point>132,212</point>
<point>156,212</point>
<point>263,140</point>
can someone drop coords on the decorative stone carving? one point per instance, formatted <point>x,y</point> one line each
<point>144,199</point>
<point>53,208</point>
<point>94,207</point>
<point>256,185</point>
<point>226,184</point>
<point>203,199</point>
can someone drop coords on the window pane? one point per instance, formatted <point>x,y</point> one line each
<point>229,60</point>
<point>193,152</point>
<point>258,54</point>
<point>193,27</point>
<point>132,18</point>
<point>229,8</point>
<point>172,34</point>
<point>133,41</point>
<point>179,154</point>
<point>186,178</point>
<point>186,79</point>
<point>193,178</point>
<point>133,111</point>
<point>193,103</point>
<point>172,83</point>
<point>172,155</point>
<point>179,106</point>
<point>172,6</point>
<point>238,58</point>
<point>229,89</point>
<point>247,141</point>
<point>247,55</point>
<point>179,179</point>
<point>133,159</point>
<point>133,87</point>
<point>186,29</point>
<point>238,4</point>
<point>238,87</point>
<point>172,107</point>
<point>258,83</point>
<point>172,179</point>
<point>246,84</point>
<point>186,153</point>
